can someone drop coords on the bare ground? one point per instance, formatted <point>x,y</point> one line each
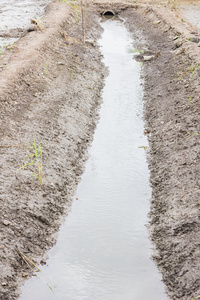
<point>50,90</point>
<point>171,112</point>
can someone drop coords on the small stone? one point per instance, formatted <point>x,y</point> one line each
<point>4,283</point>
<point>31,28</point>
<point>148,58</point>
<point>90,42</point>
<point>198,44</point>
<point>194,39</point>
<point>6,222</point>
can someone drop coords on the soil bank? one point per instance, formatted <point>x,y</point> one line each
<point>50,89</point>
<point>171,101</point>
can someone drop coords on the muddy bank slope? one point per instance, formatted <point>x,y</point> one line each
<point>171,111</point>
<point>50,90</point>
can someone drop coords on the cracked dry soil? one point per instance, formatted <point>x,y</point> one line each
<point>55,97</point>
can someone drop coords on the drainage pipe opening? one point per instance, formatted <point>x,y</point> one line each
<point>108,14</point>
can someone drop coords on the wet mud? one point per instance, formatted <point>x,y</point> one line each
<point>171,101</point>
<point>51,91</point>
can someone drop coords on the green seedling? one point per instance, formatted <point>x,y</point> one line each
<point>195,298</point>
<point>191,69</point>
<point>190,100</point>
<point>74,7</point>
<point>143,147</point>
<point>173,3</point>
<point>196,133</point>
<point>36,159</point>
<point>72,70</point>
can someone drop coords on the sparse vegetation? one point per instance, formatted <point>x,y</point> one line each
<point>173,3</point>
<point>36,159</point>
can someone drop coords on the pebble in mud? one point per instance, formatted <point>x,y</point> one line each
<point>4,283</point>
<point>6,222</point>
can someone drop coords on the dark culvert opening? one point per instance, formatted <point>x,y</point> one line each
<point>108,14</point>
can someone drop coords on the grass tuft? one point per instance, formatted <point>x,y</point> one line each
<point>35,159</point>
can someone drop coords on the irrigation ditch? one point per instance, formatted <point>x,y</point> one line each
<point>51,85</point>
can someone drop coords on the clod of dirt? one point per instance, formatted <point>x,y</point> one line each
<point>6,222</point>
<point>194,39</point>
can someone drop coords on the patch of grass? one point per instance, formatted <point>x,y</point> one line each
<point>75,9</point>
<point>191,69</point>
<point>35,159</point>
<point>173,3</point>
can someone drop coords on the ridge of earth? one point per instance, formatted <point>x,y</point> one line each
<point>51,89</point>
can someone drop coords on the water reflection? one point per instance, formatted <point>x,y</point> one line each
<point>103,250</point>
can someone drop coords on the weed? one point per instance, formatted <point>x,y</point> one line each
<point>36,159</point>
<point>191,69</point>
<point>143,147</point>
<point>173,3</point>
<point>190,100</point>
<point>32,266</point>
<point>195,298</point>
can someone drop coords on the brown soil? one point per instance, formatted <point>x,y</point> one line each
<point>51,90</point>
<point>171,112</point>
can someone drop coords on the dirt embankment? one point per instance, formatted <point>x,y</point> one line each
<point>171,112</point>
<point>50,90</point>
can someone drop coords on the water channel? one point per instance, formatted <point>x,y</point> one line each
<point>103,251</point>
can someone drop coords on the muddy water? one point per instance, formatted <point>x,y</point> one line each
<point>16,14</point>
<point>103,250</point>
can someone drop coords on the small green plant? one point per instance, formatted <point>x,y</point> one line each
<point>36,159</point>
<point>195,298</point>
<point>190,100</point>
<point>173,3</point>
<point>191,69</point>
<point>143,147</point>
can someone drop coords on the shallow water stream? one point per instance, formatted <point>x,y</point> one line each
<point>103,251</point>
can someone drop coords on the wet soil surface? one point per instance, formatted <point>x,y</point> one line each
<point>56,99</point>
<point>171,100</point>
